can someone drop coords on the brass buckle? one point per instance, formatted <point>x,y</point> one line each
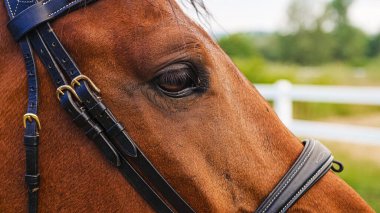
<point>61,89</point>
<point>76,80</point>
<point>30,117</point>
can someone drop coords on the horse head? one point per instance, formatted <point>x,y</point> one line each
<point>185,104</point>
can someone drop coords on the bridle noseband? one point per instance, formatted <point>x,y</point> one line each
<point>78,95</point>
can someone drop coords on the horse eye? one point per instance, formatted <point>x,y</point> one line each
<point>177,80</point>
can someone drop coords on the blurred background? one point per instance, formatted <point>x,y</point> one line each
<point>318,63</point>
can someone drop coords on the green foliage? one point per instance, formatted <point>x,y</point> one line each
<point>374,46</point>
<point>238,45</point>
<point>315,46</point>
<point>364,179</point>
<point>308,41</point>
<point>306,47</point>
<point>311,44</point>
<point>350,45</point>
<point>268,45</point>
<point>338,11</point>
<point>252,68</point>
<point>323,111</point>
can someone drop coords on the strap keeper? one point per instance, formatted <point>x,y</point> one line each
<point>98,109</point>
<point>31,141</point>
<point>33,182</point>
<point>115,130</point>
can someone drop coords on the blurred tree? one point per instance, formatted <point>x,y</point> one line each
<point>241,48</point>
<point>316,33</point>
<point>301,15</point>
<point>315,38</point>
<point>268,45</point>
<point>307,47</point>
<point>374,46</point>
<point>238,45</point>
<point>305,41</point>
<point>338,10</point>
<point>350,42</point>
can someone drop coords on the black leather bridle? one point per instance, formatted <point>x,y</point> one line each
<point>79,96</point>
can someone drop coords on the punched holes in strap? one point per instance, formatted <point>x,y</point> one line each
<point>92,130</point>
<point>105,118</point>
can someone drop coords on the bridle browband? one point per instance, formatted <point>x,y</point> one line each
<point>79,96</point>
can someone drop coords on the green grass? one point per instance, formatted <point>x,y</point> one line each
<point>322,111</point>
<point>258,70</point>
<point>362,170</point>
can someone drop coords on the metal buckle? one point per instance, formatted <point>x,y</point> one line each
<point>61,89</point>
<point>76,80</point>
<point>30,117</point>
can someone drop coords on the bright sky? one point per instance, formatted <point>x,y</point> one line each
<point>270,15</point>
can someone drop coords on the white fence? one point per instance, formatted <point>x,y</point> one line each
<point>283,93</point>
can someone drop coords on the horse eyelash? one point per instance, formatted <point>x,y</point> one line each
<point>175,77</point>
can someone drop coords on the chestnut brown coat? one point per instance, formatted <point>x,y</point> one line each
<point>223,150</point>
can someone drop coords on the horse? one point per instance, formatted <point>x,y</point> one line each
<point>222,148</point>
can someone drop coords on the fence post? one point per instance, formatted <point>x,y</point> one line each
<point>283,104</point>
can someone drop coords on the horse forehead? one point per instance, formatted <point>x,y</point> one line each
<point>134,12</point>
<point>131,20</point>
<point>142,33</point>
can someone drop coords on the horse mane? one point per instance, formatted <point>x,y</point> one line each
<point>202,12</point>
<point>199,7</point>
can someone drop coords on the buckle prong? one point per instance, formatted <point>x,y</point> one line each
<point>61,89</point>
<point>76,80</point>
<point>30,117</point>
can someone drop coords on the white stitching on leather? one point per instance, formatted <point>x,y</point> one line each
<point>26,1</point>
<point>302,189</point>
<point>13,13</point>
<point>291,177</point>
<point>18,2</point>
<point>67,5</point>
<point>46,2</point>
<point>10,8</point>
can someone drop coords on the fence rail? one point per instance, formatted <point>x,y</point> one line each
<point>283,94</point>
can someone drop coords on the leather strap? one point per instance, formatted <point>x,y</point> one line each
<point>83,120</point>
<point>114,130</point>
<point>94,118</point>
<point>31,123</point>
<point>89,99</point>
<point>313,163</point>
<point>40,12</point>
<point>79,116</point>
<point>31,120</point>
<point>29,25</point>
